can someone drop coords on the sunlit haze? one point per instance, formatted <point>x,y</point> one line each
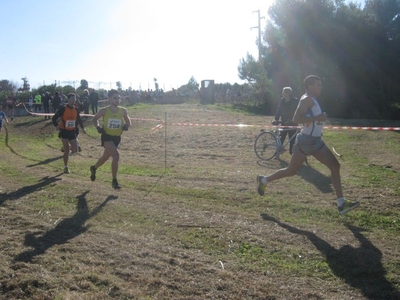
<point>131,41</point>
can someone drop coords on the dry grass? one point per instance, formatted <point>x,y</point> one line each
<point>195,229</point>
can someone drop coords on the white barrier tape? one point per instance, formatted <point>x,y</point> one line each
<point>159,126</point>
<point>84,115</point>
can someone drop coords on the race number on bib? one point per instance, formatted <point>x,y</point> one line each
<point>114,123</point>
<point>70,124</point>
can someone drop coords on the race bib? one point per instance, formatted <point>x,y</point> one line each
<point>114,124</point>
<point>70,124</point>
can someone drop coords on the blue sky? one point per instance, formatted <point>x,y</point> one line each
<point>131,41</point>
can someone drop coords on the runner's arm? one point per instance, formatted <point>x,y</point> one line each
<point>126,118</point>
<point>58,115</point>
<point>97,116</point>
<point>300,115</point>
<point>79,120</point>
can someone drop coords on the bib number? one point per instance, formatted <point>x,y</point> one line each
<point>70,124</point>
<point>114,124</point>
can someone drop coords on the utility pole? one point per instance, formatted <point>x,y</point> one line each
<point>259,32</point>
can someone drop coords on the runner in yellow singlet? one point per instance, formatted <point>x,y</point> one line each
<point>115,121</point>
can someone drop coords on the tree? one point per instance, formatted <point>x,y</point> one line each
<point>354,50</point>
<point>84,84</point>
<point>193,85</point>
<point>155,84</point>
<point>26,86</point>
<point>67,89</point>
<point>119,85</point>
<point>46,88</point>
<point>7,86</point>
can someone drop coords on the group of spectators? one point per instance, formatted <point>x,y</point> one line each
<point>51,102</point>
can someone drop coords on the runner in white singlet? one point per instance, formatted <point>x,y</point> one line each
<point>309,142</point>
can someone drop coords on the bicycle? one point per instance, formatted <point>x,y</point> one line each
<point>267,144</point>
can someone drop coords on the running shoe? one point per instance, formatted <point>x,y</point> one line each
<point>115,184</point>
<point>66,170</point>
<point>92,173</point>
<point>260,186</point>
<point>347,206</point>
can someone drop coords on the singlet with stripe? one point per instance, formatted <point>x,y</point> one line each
<point>313,128</point>
<point>69,118</point>
<point>113,122</point>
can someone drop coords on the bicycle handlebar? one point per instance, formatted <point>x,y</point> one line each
<point>287,123</point>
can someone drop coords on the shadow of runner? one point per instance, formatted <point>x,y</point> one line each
<point>20,155</point>
<point>307,172</point>
<point>29,189</point>
<point>319,180</point>
<point>65,230</point>
<point>359,267</point>
<point>45,162</point>
<point>7,145</point>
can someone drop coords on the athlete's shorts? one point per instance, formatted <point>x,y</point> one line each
<point>1,124</point>
<point>110,138</point>
<point>67,134</point>
<point>307,144</point>
<point>10,106</point>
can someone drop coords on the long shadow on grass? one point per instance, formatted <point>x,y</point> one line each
<point>308,173</point>
<point>22,156</point>
<point>359,267</point>
<point>30,122</point>
<point>67,229</point>
<point>29,189</point>
<point>45,162</point>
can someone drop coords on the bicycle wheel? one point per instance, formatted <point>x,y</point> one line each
<point>265,145</point>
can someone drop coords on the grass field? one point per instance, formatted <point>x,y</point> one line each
<point>188,222</point>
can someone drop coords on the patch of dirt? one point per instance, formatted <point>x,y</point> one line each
<point>161,235</point>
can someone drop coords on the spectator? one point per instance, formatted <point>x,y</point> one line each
<point>85,101</point>
<point>46,98</point>
<point>30,102</point>
<point>56,102</point>
<point>38,103</point>
<point>286,108</point>
<point>94,101</point>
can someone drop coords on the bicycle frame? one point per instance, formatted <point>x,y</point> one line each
<point>268,145</point>
<point>277,134</point>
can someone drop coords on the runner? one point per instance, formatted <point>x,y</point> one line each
<point>2,116</point>
<point>11,102</point>
<point>113,118</point>
<point>309,142</point>
<point>69,120</point>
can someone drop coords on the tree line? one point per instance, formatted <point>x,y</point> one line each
<point>356,52</point>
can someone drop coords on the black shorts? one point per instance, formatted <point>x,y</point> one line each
<point>110,138</point>
<point>67,134</point>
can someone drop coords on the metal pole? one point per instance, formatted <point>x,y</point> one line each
<point>259,32</point>
<point>165,141</point>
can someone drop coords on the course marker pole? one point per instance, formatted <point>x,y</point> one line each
<point>165,142</point>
